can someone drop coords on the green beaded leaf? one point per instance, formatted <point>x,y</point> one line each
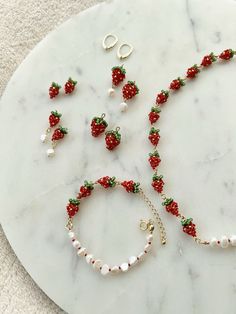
<point>156,177</point>
<point>56,114</point>
<point>112,182</point>
<point>156,109</point>
<point>154,130</point>
<point>154,154</point>
<point>168,201</point>
<point>74,201</point>
<point>72,81</point>
<point>63,130</point>
<point>89,184</point>
<point>186,222</point>
<point>136,187</point>
<point>55,85</point>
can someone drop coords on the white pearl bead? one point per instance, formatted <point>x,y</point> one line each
<point>111,92</point>
<point>233,240</point>
<point>123,107</point>
<point>147,247</point>
<point>89,258</point>
<point>213,242</point>
<point>97,264</point>
<point>141,255</point>
<point>105,269</point>
<point>50,152</point>
<point>71,234</point>
<point>124,267</point>
<point>76,244</point>
<point>43,138</point>
<point>115,269</point>
<point>132,260</point>
<point>224,242</point>
<point>82,251</point>
<point>150,237</point>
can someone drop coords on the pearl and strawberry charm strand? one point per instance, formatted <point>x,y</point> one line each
<point>130,186</point>
<point>171,206</point>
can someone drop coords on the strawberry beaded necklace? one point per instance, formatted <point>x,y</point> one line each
<point>171,206</point>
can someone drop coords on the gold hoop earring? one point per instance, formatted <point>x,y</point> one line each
<point>107,47</point>
<point>125,55</point>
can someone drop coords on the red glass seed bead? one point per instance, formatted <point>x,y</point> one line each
<point>154,160</point>
<point>171,206</point>
<point>177,83</point>
<point>70,86</point>
<point>154,136</point>
<point>131,186</point>
<point>54,90</point>
<point>189,227</point>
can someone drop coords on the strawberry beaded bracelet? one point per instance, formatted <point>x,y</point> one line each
<point>171,206</point>
<point>130,187</point>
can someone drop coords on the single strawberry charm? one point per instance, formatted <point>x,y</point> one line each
<point>177,83</point>
<point>171,206</point>
<point>154,114</point>
<point>107,182</point>
<point>189,227</point>
<point>86,189</point>
<point>72,207</point>
<point>129,90</point>
<point>59,133</point>
<point>227,54</point>
<point>54,118</point>
<point>70,86</point>
<point>98,125</point>
<point>112,138</point>
<point>54,90</point>
<point>131,186</point>
<point>157,183</point>
<point>154,136</point>
<point>207,60</point>
<point>154,159</point>
<point>162,97</point>
<point>192,71</point>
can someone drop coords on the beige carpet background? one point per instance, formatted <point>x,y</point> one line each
<point>23,23</point>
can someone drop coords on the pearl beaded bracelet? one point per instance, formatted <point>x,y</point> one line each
<point>131,187</point>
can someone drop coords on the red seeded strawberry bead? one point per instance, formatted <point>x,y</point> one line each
<point>86,189</point>
<point>72,207</point>
<point>118,75</point>
<point>162,97</point>
<point>176,84</point>
<point>129,90</point>
<point>112,139</point>
<point>227,54</point>
<point>189,227</point>
<point>54,90</point>
<point>59,133</point>
<point>158,183</point>
<point>171,206</point>
<point>54,118</point>
<point>70,86</point>
<point>131,186</point>
<point>98,125</point>
<point>154,160</point>
<point>107,182</point>
<point>192,72</point>
<point>154,114</point>
<point>207,60</point>
<point>154,136</point>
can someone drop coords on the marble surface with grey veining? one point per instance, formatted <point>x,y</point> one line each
<point>198,149</point>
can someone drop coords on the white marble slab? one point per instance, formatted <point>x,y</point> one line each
<point>198,148</point>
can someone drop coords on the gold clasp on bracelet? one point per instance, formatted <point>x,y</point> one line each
<point>146,225</point>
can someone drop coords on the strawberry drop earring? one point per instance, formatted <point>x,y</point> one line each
<point>129,91</point>
<point>118,76</point>
<point>113,138</point>
<point>58,134</point>
<point>98,125</point>
<point>54,90</point>
<point>53,120</point>
<point>70,86</point>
